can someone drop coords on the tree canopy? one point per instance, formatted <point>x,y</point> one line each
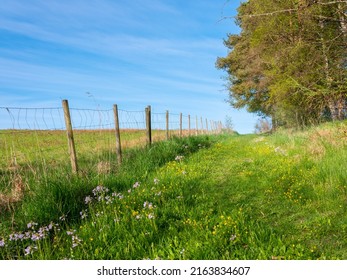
<point>289,61</point>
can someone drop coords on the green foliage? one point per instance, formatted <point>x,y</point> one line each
<point>289,61</point>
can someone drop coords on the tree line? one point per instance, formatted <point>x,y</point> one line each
<point>289,60</point>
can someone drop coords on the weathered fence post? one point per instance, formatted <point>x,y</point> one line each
<point>202,126</point>
<point>148,125</point>
<point>180,124</point>
<point>206,126</point>
<point>189,125</point>
<point>70,138</point>
<point>117,132</point>
<point>196,125</point>
<point>167,125</point>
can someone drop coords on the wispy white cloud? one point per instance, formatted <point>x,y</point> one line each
<point>131,52</point>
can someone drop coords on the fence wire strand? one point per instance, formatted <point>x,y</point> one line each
<point>36,137</point>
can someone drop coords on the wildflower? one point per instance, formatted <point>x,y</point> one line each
<point>179,158</point>
<point>148,205</point>
<point>37,236</point>
<point>108,199</point>
<point>280,151</point>
<point>136,185</point>
<point>13,237</point>
<point>2,243</point>
<point>150,216</point>
<point>100,190</point>
<point>99,213</point>
<point>70,232</point>
<point>20,236</point>
<point>129,191</point>
<point>29,250</point>
<point>62,218</point>
<point>232,237</point>
<point>156,181</point>
<point>31,225</point>
<point>27,235</point>
<point>83,215</point>
<point>88,200</point>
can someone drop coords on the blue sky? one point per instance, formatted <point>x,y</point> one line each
<point>134,53</point>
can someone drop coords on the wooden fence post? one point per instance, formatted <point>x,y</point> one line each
<point>167,125</point>
<point>202,126</point>
<point>148,125</point>
<point>117,132</point>
<point>70,138</point>
<point>197,126</point>
<point>206,126</point>
<point>189,125</point>
<point>180,124</point>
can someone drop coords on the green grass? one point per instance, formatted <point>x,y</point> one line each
<point>280,196</point>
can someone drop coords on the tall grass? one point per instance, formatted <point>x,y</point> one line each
<point>280,196</point>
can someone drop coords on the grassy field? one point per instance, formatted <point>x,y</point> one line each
<point>280,196</point>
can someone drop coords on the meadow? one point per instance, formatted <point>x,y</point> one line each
<point>228,196</point>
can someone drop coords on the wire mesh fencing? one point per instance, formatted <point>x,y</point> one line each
<point>37,140</point>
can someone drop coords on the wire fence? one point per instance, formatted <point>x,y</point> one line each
<point>36,138</point>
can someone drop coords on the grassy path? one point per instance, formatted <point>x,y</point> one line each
<point>291,207</point>
<point>282,196</point>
